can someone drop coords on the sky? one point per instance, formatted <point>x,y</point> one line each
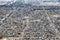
<point>30,0</point>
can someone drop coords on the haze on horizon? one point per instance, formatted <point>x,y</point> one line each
<point>2,2</point>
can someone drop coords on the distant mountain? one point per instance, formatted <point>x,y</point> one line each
<point>20,2</point>
<point>58,0</point>
<point>6,2</point>
<point>38,1</point>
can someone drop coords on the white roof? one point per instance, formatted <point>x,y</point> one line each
<point>56,15</point>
